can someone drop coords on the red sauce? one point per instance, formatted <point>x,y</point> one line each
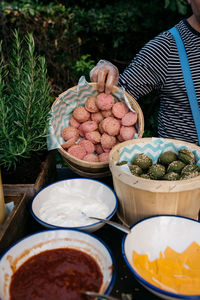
<point>58,274</point>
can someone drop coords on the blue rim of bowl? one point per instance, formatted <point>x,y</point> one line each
<point>78,227</point>
<point>143,281</point>
<point>113,276</point>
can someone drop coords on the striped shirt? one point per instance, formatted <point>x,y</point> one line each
<point>157,66</point>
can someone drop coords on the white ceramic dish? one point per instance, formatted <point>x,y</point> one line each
<point>154,234</point>
<point>52,239</point>
<point>67,203</point>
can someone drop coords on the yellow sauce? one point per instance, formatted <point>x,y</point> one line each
<point>172,271</point>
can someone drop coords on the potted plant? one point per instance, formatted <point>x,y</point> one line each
<point>25,102</point>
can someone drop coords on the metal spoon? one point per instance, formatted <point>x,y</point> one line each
<point>114,224</point>
<point>100,296</point>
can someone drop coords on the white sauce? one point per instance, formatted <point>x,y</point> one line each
<point>71,209</point>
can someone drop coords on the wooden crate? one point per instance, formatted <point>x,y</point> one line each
<point>14,226</point>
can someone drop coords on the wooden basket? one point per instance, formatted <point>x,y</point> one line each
<point>98,169</point>
<point>140,198</point>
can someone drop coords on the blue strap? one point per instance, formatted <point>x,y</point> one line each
<point>187,79</point>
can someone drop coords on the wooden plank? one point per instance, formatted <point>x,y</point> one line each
<point>14,225</point>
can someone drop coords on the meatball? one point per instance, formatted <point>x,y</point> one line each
<point>104,101</point>
<point>111,126</point>
<point>80,114</point>
<point>107,141</point>
<point>70,132</point>
<point>127,133</point>
<point>119,110</point>
<point>77,150</point>
<point>90,105</point>
<point>129,119</point>
<point>93,136</point>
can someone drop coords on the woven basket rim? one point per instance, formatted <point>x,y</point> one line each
<point>153,185</point>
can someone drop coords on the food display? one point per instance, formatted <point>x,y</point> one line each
<point>169,166</point>
<point>95,128</point>
<point>59,274</point>
<point>172,271</point>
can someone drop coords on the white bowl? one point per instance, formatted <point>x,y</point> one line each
<point>154,234</point>
<point>67,203</point>
<point>52,239</point>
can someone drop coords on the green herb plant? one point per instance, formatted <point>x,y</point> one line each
<point>24,102</point>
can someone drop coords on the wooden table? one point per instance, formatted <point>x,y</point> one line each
<point>125,281</point>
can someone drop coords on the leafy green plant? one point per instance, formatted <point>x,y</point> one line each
<point>180,5</point>
<point>72,34</point>
<point>83,66</point>
<point>24,102</point>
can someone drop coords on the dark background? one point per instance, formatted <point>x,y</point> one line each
<point>74,35</point>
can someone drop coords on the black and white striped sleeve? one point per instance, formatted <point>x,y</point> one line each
<point>148,69</point>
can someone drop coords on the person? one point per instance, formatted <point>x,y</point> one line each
<point>157,66</point>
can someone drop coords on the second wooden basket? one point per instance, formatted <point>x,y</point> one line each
<point>140,198</point>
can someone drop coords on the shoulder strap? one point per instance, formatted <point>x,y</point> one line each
<point>187,79</point>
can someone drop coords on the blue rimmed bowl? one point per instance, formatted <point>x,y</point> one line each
<point>68,203</point>
<point>39,242</point>
<point>151,236</point>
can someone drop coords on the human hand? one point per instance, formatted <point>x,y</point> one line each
<point>106,75</point>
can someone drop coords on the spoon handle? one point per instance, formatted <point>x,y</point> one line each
<point>114,224</point>
<point>100,296</point>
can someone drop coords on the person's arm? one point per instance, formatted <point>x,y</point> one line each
<point>148,69</point>
<point>146,72</point>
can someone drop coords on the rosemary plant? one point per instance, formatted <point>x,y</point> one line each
<point>24,103</point>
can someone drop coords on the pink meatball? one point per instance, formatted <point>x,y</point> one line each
<point>69,143</point>
<point>91,158</point>
<point>107,113</point>
<point>107,141</point>
<point>119,109</point>
<point>73,122</point>
<point>106,150</point>
<point>81,132</point>
<point>104,101</point>
<point>129,119</point>
<point>99,149</point>
<point>81,114</point>
<point>89,126</point>
<point>127,133</point>
<point>77,151</point>
<point>104,157</point>
<point>93,136</point>
<point>120,139</point>
<point>70,132</point>
<point>88,145</point>
<point>97,117</point>
<point>101,130</point>
<point>90,105</point>
<point>111,126</point>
